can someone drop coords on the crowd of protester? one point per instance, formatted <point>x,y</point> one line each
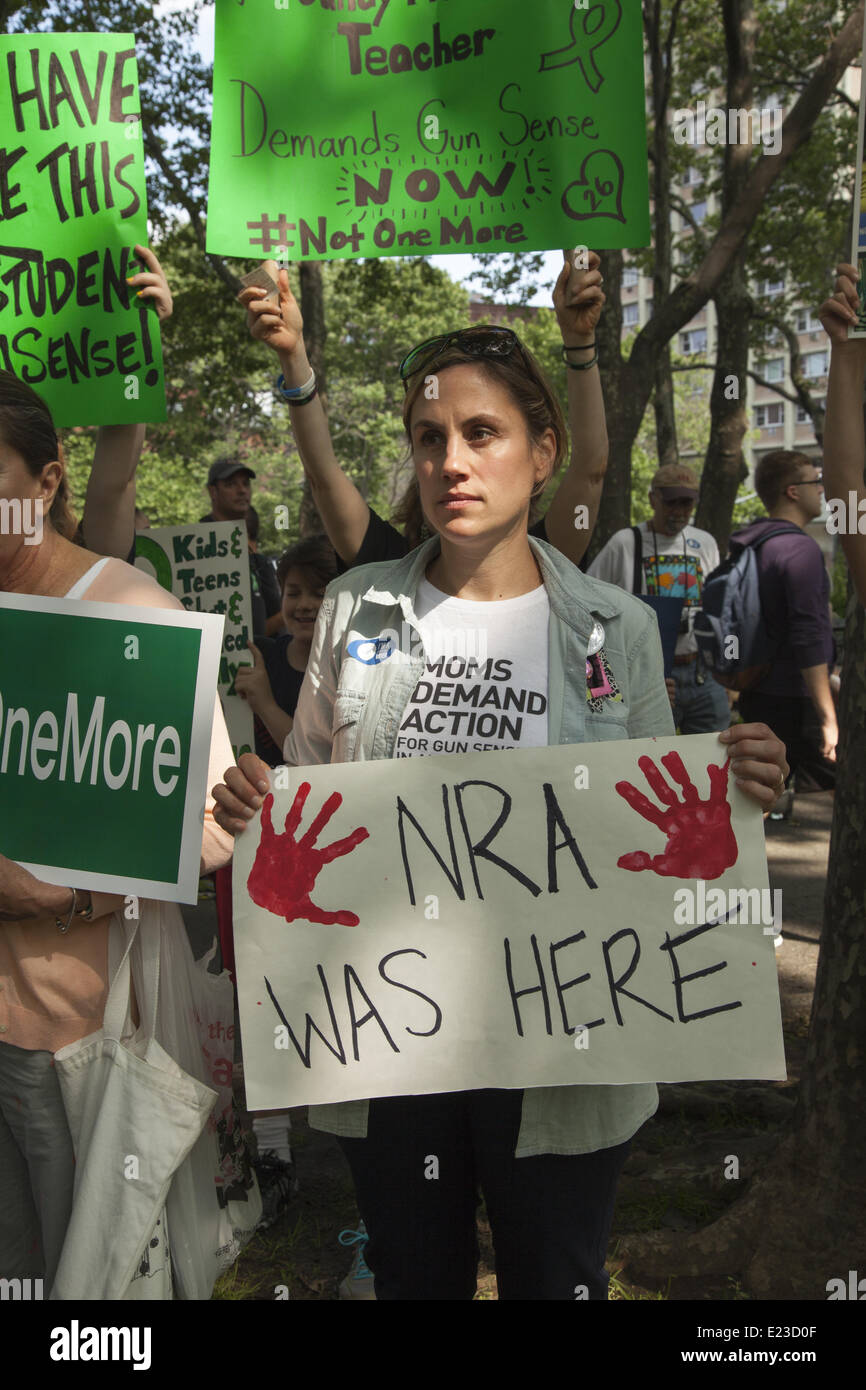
<point>486,435</point>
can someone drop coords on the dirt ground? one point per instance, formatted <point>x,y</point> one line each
<point>675,1174</point>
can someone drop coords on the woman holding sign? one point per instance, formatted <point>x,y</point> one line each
<point>547,1159</point>
<point>53,939</point>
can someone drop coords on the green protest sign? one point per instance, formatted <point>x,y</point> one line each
<point>105,730</point>
<point>72,208</point>
<point>407,127</point>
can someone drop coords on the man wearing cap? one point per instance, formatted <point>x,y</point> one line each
<point>672,560</point>
<point>228,483</point>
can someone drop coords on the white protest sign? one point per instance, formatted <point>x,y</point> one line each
<point>536,917</point>
<point>206,567</point>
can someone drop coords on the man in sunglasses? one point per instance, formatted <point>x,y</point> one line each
<point>795,699</point>
<point>668,559</point>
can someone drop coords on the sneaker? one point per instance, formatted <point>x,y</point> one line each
<point>358,1283</point>
<point>277,1183</point>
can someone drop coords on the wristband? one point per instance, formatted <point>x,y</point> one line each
<point>580,366</point>
<point>306,399</point>
<point>293,393</point>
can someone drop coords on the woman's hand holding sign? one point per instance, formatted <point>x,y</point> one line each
<point>578,298</point>
<point>280,325</point>
<point>701,842</point>
<point>285,869</point>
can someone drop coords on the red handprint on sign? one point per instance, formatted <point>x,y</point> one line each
<point>285,870</point>
<point>701,843</point>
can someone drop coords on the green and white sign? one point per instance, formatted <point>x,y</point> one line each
<point>206,567</point>
<point>73,206</point>
<point>106,715</point>
<point>408,127</point>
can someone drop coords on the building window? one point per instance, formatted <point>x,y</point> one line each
<point>630,314</point>
<point>807,322</point>
<point>771,287</point>
<point>630,277</point>
<point>692,177</point>
<point>699,211</point>
<point>770,417</point>
<point>815,364</point>
<point>693,341</point>
<point>773,370</point>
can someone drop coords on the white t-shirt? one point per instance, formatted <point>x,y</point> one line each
<point>672,566</point>
<point>485,686</point>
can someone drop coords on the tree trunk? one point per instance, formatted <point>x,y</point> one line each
<point>802,1222</point>
<point>661,54</point>
<point>315,333</point>
<point>724,467</point>
<point>613,512</point>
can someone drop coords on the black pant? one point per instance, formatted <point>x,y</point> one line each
<point>794,720</point>
<point>417,1176</point>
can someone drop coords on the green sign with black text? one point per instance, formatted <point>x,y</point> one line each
<point>105,729</point>
<point>407,127</point>
<point>73,206</point>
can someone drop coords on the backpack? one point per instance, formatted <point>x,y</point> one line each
<point>731,608</point>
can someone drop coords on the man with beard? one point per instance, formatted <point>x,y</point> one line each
<point>668,558</point>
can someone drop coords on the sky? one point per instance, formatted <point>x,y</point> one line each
<point>457,267</point>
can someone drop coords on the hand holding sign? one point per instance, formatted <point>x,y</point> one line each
<point>252,682</point>
<point>578,298</point>
<point>701,842</point>
<point>151,284</point>
<point>280,327</point>
<point>285,870</point>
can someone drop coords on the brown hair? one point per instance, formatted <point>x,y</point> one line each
<point>776,471</point>
<point>27,427</point>
<point>521,376</point>
<point>313,553</point>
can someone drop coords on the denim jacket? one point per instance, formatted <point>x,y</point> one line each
<point>350,710</point>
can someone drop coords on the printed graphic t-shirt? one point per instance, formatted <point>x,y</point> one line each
<point>485,685</point>
<point>671,567</point>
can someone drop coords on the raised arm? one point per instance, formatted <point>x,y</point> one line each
<point>108,522</point>
<point>345,515</point>
<point>844,446</point>
<point>578,299</point>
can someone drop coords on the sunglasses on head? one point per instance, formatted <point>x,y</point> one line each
<point>475,342</point>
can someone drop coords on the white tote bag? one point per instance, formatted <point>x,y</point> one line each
<point>214,1205</point>
<point>134,1115</point>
